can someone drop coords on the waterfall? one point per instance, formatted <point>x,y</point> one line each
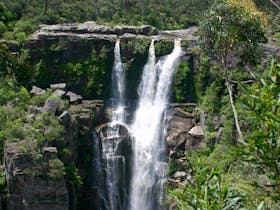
<point>149,151</point>
<point>114,162</point>
<point>118,85</point>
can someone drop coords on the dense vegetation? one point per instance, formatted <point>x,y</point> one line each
<point>238,170</point>
<point>20,18</point>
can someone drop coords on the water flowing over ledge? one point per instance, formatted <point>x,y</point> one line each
<point>149,149</point>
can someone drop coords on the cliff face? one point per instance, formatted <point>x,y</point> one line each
<point>30,182</point>
<point>60,51</point>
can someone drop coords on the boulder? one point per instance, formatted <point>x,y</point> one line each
<point>197,131</point>
<point>52,105</point>
<point>58,93</point>
<point>37,91</point>
<point>61,86</point>
<point>196,138</point>
<point>179,174</point>
<point>73,97</point>
<point>64,118</point>
<point>179,123</point>
<point>50,152</point>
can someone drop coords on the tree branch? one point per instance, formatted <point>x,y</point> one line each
<point>275,4</point>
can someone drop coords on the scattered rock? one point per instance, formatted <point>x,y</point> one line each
<point>179,174</point>
<point>37,91</point>
<point>61,86</point>
<point>52,105</point>
<point>50,152</point>
<point>58,93</point>
<point>73,97</point>
<point>34,110</point>
<point>64,118</point>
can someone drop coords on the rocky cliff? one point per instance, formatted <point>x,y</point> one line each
<point>60,51</point>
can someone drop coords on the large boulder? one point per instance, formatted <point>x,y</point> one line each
<point>196,138</point>
<point>179,123</point>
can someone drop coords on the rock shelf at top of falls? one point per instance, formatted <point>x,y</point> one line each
<point>92,30</point>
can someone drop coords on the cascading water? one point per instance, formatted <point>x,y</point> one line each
<point>114,162</point>
<point>149,151</point>
<point>118,85</point>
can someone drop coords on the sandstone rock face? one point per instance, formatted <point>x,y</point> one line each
<point>30,190</point>
<point>179,123</point>
<point>93,27</point>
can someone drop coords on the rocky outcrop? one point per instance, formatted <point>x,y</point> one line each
<point>34,182</point>
<point>76,41</point>
<point>92,27</point>
<point>182,130</point>
<point>36,169</point>
<point>184,134</point>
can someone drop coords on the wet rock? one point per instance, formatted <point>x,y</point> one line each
<point>105,129</point>
<point>73,97</point>
<point>37,91</point>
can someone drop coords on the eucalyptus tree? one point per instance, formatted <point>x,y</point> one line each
<point>230,35</point>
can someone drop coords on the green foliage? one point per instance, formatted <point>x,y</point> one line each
<point>56,169</point>
<point>163,47</point>
<point>212,100</point>
<point>89,76</point>
<point>40,100</point>
<point>184,87</point>
<point>263,148</point>
<point>207,189</point>
<point>232,31</point>
<point>15,66</point>
<point>167,16</point>
<point>72,176</point>
<point>141,46</point>
<point>3,187</point>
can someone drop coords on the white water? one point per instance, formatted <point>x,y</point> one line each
<point>115,164</point>
<point>148,168</point>
<point>118,86</point>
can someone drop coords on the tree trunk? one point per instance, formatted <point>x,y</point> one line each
<point>241,139</point>
<point>46,6</point>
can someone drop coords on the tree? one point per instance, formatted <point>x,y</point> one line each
<point>230,34</point>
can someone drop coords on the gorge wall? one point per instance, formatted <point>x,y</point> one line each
<point>69,171</point>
